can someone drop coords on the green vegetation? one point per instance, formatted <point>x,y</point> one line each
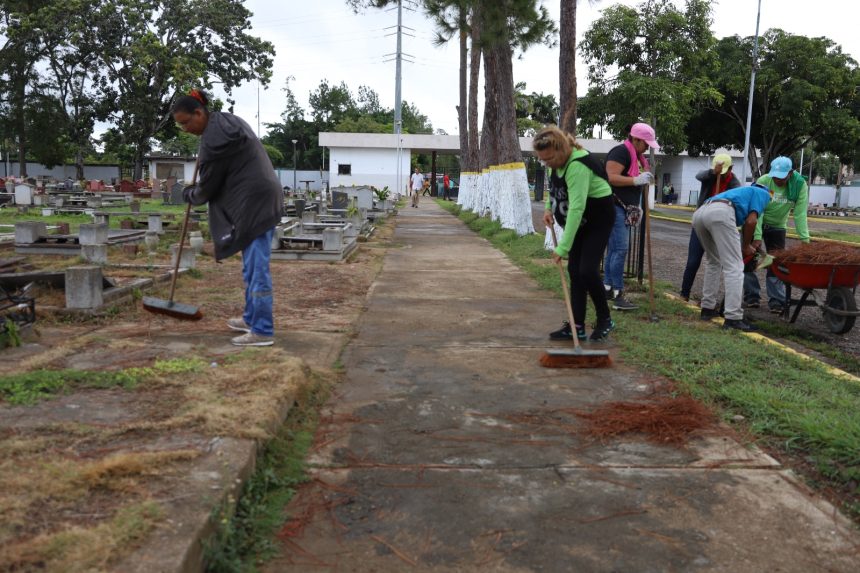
<point>247,538</point>
<point>9,333</point>
<point>788,402</point>
<point>30,387</point>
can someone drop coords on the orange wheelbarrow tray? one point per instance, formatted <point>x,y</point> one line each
<point>838,305</point>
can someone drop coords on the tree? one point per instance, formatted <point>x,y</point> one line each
<point>154,50</point>
<point>661,56</point>
<point>805,94</point>
<point>76,81</point>
<point>534,110</point>
<point>506,26</point>
<point>29,29</point>
<point>331,104</point>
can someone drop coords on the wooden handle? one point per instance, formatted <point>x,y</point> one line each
<point>565,290</point>
<point>182,236</point>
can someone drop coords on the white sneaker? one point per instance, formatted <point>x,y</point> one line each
<point>251,339</point>
<point>238,324</point>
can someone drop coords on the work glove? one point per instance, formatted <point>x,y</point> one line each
<point>188,192</point>
<point>645,178</point>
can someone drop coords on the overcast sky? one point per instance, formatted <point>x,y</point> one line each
<point>317,39</point>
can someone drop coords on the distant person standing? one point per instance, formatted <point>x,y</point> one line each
<point>417,183</point>
<point>788,192</point>
<point>628,170</point>
<point>446,187</point>
<point>717,179</point>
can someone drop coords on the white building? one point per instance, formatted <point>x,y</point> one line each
<point>371,159</point>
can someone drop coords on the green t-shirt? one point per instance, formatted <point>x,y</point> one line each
<point>582,183</point>
<point>777,211</point>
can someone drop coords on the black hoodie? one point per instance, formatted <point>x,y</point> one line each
<point>237,179</point>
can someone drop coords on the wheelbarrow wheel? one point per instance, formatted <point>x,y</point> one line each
<point>840,298</point>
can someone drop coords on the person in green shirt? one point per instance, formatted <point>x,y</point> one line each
<point>788,191</point>
<point>580,201</point>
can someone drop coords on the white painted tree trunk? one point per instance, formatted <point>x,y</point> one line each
<point>468,190</point>
<point>513,204</point>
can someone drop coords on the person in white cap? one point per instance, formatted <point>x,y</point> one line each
<point>628,171</point>
<point>788,191</point>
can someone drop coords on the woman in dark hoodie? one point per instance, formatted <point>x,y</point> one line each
<point>245,200</point>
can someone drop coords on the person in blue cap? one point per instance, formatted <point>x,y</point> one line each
<point>716,224</point>
<point>788,191</point>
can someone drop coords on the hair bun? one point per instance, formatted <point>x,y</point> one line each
<point>199,96</point>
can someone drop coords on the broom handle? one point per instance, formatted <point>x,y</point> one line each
<point>566,291</point>
<point>182,236</point>
<point>647,202</point>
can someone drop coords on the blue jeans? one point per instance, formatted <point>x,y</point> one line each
<point>258,284</point>
<point>616,251</point>
<point>774,240</point>
<point>695,252</point>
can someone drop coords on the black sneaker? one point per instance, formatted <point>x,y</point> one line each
<point>776,309</point>
<point>602,329</point>
<point>709,313</point>
<point>741,325</point>
<point>580,332</point>
<point>750,304</point>
<point>621,303</point>
<point>610,292</point>
<point>563,333</point>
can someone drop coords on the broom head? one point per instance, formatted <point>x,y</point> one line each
<point>576,358</point>
<point>171,308</point>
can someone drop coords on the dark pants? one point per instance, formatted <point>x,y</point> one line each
<point>583,263</point>
<point>446,193</point>
<point>695,252</point>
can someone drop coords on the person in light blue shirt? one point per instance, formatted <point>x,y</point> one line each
<point>716,224</point>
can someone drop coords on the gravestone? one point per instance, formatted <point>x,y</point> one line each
<point>96,254</point>
<point>84,287</point>
<point>24,194</point>
<point>155,223</point>
<point>93,234</point>
<point>364,198</point>
<point>332,239</point>
<point>29,232</point>
<point>339,200</point>
<point>176,194</point>
<point>188,258</point>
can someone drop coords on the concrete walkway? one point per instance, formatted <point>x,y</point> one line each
<point>448,448</point>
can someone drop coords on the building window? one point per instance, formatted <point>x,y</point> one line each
<point>344,169</point>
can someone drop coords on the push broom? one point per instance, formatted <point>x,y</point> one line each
<point>578,357</point>
<point>169,307</point>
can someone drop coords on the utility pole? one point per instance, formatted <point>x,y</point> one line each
<point>398,116</point>
<point>749,107</point>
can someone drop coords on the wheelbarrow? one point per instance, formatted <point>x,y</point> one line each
<point>839,282</point>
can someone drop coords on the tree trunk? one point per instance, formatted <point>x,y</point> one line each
<point>507,139</point>
<point>21,124</point>
<point>462,109</point>
<point>567,66</point>
<point>79,165</point>
<point>488,154</point>
<point>472,159</point>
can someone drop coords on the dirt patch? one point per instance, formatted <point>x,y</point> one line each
<point>88,473</point>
